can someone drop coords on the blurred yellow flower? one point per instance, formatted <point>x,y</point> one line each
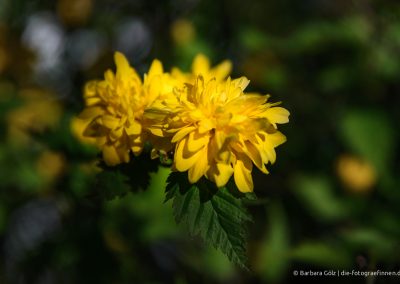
<point>50,165</point>
<point>220,131</point>
<point>39,110</point>
<point>74,12</point>
<point>183,32</point>
<point>201,66</point>
<point>356,174</point>
<point>115,106</point>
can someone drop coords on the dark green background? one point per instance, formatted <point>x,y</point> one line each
<point>335,65</point>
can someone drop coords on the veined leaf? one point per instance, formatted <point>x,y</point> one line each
<point>214,214</point>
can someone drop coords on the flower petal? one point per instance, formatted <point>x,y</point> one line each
<point>124,71</point>
<point>222,70</point>
<point>91,113</point>
<point>182,133</point>
<point>276,138</point>
<point>156,68</point>
<point>242,174</point>
<point>253,153</point>
<point>197,141</point>
<point>109,121</point>
<point>277,115</point>
<point>221,174</point>
<point>110,155</point>
<point>184,160</point>
<point>134,129</point>
<point>200,167</point>
<point>200,65</point>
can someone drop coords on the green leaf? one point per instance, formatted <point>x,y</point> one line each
<point>112,184</point>
<point>214,214</point>
<point>317,193</point>
<point>322,254</point>
<point>273,260</point>
<point>216,264</point>
<point>371,239</point>
<point>135,174</point>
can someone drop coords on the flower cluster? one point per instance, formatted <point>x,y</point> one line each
<point>214,128</point>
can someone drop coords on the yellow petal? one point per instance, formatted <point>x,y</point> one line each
<point>196,141</point>
<point>90,88</point>
<point>224,156</point>
<point>222,70</point>
<point>116,134</point>
<point>277,115</point>
<point>101,141</point>
<point>242,174</point>
<point>109,76</point>
<point>221,174</point>
<point>155,68</point>
<point>134,129</point>
<point>241,83</point>
<point>109,121</point>
<point>200,65</point>
<point>124,71</point>
<point>123,68</point>
<point>92,101</point>
<point>270,153</point>
<point>253,153</point>
<point>110,155</point>
<point>91,113</point>
<point>182,133</point>
<point>205,125</point>
<point>200,167</point>
<point>137,149</point>
<point>219,139</point>
<point>155,88</point>
<point>260,145</point>
<point>157,131</point>
<point>276,138</point>
<point>183,159</point>
<point>77,127</point>
<point>271,142</point>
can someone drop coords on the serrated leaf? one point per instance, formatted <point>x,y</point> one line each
<point>214,214</point>
<point>175,181</point>
<point>112,184</point>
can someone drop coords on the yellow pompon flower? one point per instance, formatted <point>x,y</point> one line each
<point>115,108</point>
<point>220,131</point>
<point>201,66</point>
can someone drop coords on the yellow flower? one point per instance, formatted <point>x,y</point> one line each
<point>201,66</point>
<point>356,174</point>
<point>40,110</point>
<point>220,131</point>
<point>50,165</point>
<point>183,32</point>
<point>115,108</point>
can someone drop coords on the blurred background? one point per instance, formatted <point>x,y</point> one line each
<point>331,200</point>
